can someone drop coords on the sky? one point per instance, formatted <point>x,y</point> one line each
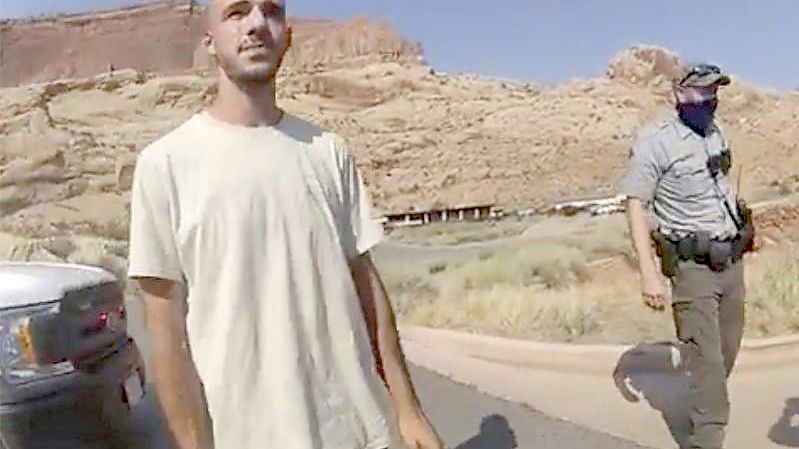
<point>553,41</point>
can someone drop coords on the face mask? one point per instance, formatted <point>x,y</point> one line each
<point>698,116</point>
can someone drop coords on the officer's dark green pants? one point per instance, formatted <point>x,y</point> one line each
<point>709,318</point>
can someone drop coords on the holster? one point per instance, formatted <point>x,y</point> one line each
<point>667,251</point>
<point>745,240</point>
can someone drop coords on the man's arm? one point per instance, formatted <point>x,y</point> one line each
<point>652,287</point>
<point>414,425</point>
<point>178,386</point>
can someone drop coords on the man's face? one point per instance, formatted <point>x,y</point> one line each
<point>248,38</point>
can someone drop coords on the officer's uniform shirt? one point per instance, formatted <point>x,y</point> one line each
<point>669,169</point>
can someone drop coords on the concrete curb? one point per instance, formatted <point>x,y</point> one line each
<point>765,343</point>
<point>755,354</point>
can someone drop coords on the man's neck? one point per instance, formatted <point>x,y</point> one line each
<point>246,104</point>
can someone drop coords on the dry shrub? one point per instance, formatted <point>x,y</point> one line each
<point>505,309</point>
<point>509,291</point>
<point>608,237</point>
<point>535,292</point>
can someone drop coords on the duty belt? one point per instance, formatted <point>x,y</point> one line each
<point>700,248</point>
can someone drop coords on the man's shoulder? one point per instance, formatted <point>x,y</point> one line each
<point>303,129</point>
<point>324,141</point>
<point>658,128</point>
<point>172,142</point>
<point>656,135</point>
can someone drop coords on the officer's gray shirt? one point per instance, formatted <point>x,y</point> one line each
<point>668,168</point>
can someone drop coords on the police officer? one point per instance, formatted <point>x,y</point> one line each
<point>679,169</point>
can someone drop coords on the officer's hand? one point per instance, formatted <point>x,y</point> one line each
<point>653,292</point>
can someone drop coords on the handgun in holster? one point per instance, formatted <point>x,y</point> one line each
<point>666,250</point>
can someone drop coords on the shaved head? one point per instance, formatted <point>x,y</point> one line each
<point>215,8</point>
<point>247,38</point>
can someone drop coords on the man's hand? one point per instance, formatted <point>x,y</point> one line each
<point>653,292</point>
<point>416,431</point>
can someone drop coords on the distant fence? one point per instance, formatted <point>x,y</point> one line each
<point>485,212</point>
<point>596,206</point>
<point>442,215</point>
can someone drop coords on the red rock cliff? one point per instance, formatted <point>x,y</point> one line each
<point>164,36</point>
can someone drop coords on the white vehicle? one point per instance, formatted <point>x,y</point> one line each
<point>69,371</point>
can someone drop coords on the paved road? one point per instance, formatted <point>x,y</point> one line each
<point>632,392</point>
<point>465,418</point>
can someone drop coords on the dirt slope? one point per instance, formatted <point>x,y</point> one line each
<point>422,138</point>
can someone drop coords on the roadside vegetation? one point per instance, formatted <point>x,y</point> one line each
<point>575,285</point>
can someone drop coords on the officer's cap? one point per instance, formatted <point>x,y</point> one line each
<point>701,75</point>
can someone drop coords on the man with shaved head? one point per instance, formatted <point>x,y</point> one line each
<point>250,238</point>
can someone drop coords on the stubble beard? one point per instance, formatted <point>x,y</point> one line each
<point>248,73</point>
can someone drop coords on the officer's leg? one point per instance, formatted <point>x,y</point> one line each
<point>696,295</point>
<point>731,314</point>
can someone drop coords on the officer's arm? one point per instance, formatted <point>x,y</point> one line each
<point>641,239</point>
<point>639,186</point>
<point>179,389</point>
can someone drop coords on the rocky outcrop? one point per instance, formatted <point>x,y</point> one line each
<point>644,66</point>
<point>158,36</point>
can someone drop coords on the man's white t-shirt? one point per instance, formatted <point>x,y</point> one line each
<point>260,223</point>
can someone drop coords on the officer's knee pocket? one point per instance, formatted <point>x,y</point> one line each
<point>685,324</point>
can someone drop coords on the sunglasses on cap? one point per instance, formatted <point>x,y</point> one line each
<point>701,70</point>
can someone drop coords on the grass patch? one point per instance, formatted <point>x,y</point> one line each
<point>505,309</point>
<point>460,232</point>
<point>543,290</point>
<point>528,288</point>
<point>606,238</point>
<point>772,303</point>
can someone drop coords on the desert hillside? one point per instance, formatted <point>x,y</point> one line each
<point>422,138</point>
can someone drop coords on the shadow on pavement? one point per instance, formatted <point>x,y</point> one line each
<point>495,433</point>
<point>648,369</point>
<point>146,430</point>
<point>786,431</point>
